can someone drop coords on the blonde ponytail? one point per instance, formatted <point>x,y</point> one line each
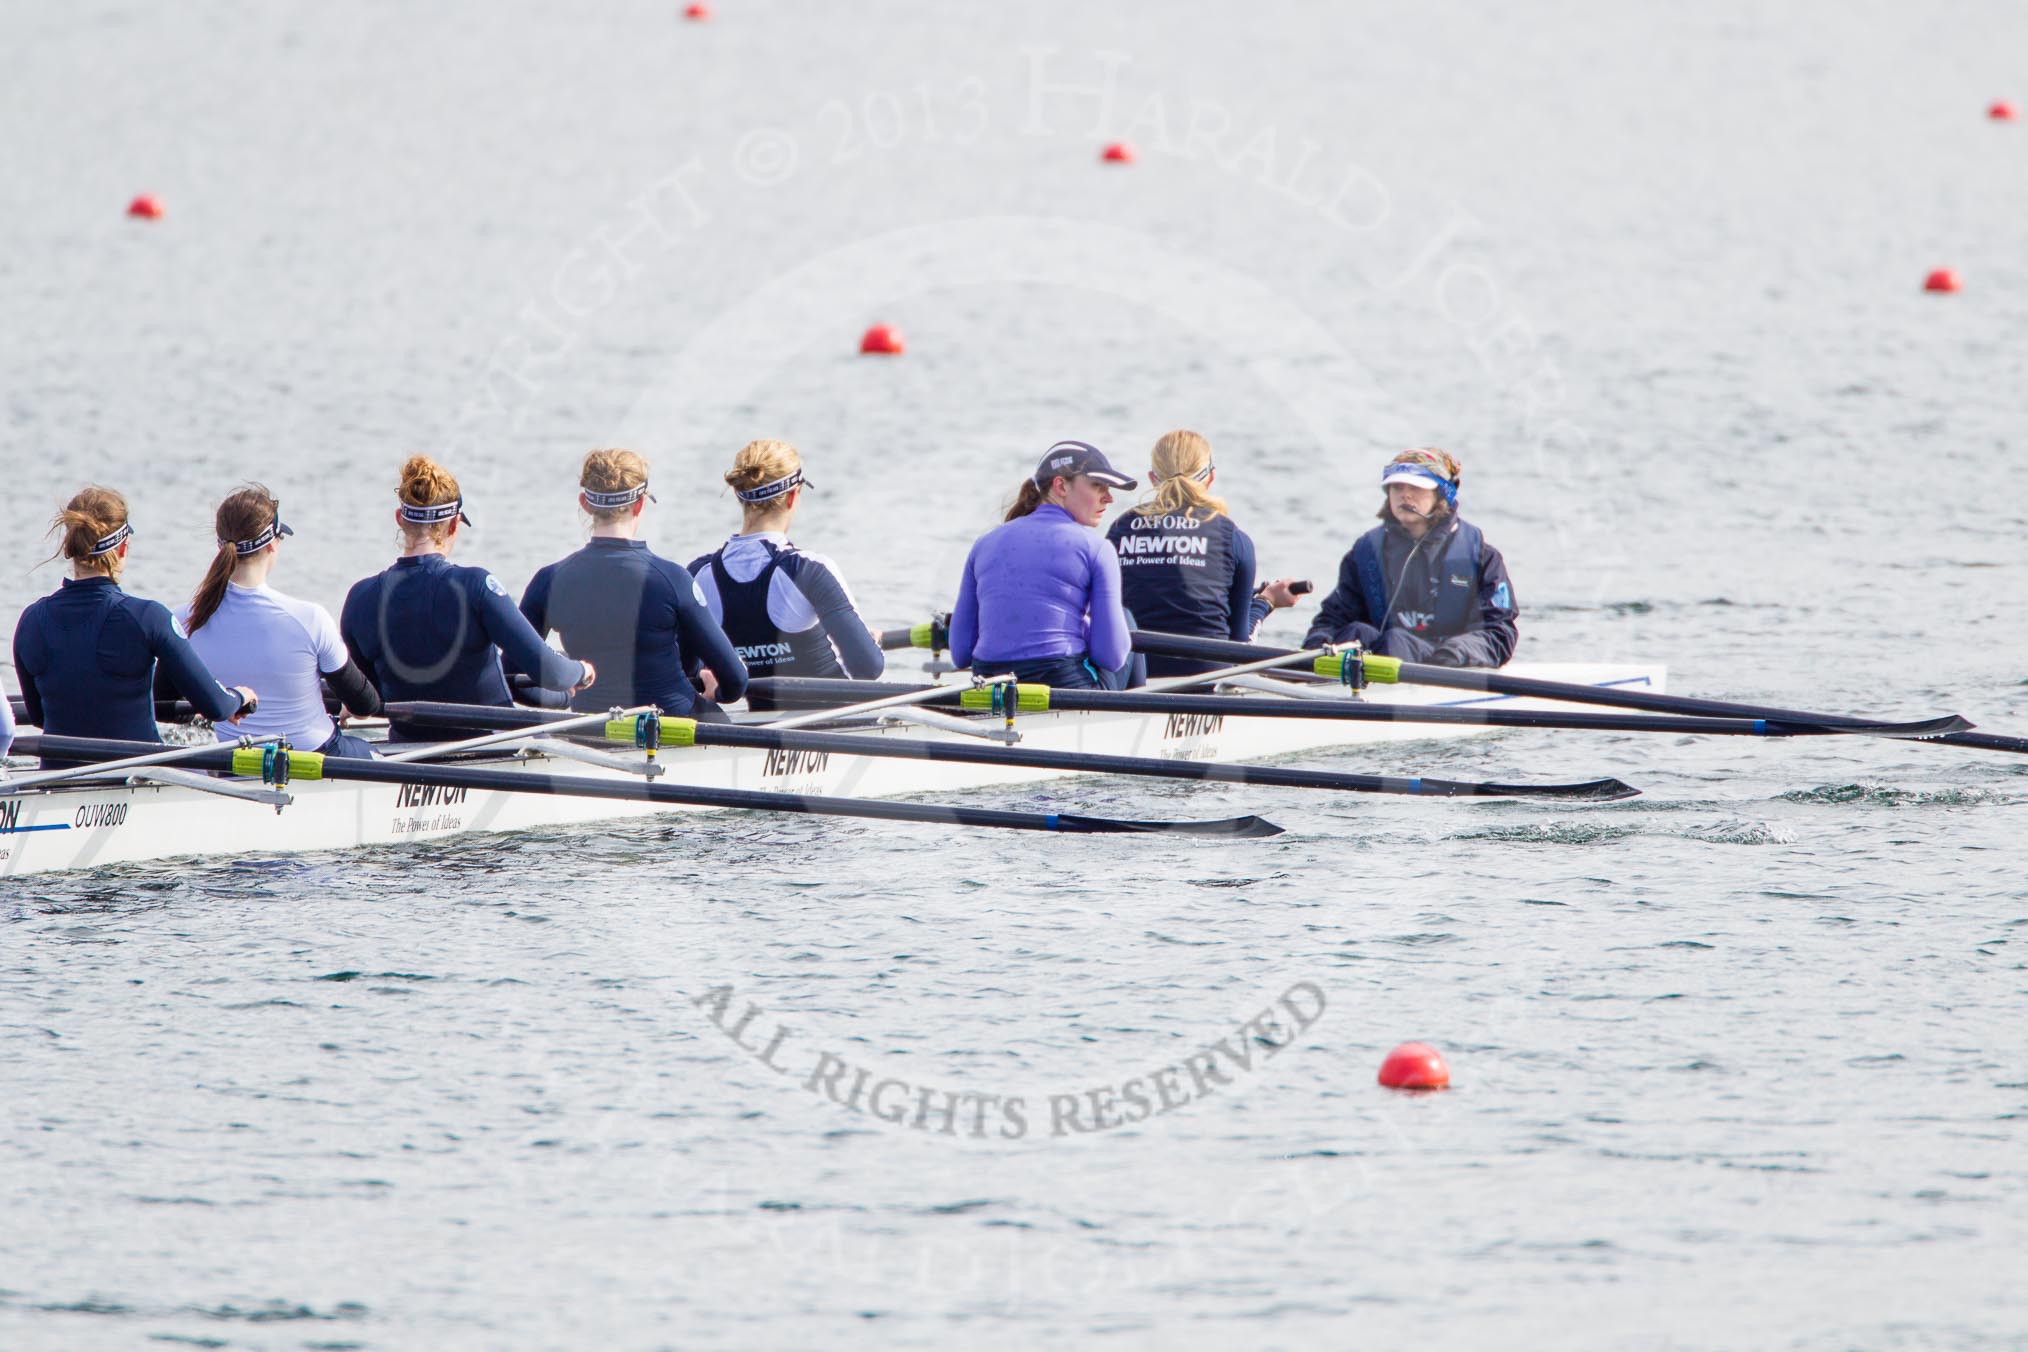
<point>613,473</point>
<point>425,483</point>
<point>1178,467</point>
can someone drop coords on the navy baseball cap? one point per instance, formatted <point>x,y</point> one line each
<point>1072,458</point>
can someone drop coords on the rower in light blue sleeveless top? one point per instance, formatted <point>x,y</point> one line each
<point>787,613</point>
<point>1040,595</point>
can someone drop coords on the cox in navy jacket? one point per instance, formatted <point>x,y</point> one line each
<point>1444,599</point>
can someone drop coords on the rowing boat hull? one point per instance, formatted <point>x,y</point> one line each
<point>89,826</point>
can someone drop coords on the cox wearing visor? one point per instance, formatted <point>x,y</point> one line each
<point>1423,585</point>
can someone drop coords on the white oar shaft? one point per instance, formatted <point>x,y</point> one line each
<point>431,750</point>
<point>29,781</point>
<point>1206,677</point>
<point>922,696</point>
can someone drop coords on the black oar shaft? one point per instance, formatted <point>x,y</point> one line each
<point>82,749</point>
<point>977,753</point>
<point>785,691</point>
<point>1499,683</point>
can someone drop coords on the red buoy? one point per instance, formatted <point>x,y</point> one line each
<point>1119,152</point>
<point>1943,279</point>
<point>146,207</point>
<point>2001,111</point>
<point>882,341</point>
<point>698,11</point>
<point>1415,1065</point>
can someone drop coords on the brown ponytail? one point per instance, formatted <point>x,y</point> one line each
<point>1027,500</point>
<point>242,516</point>
<point>425,483</point>
<point>85,520</point>
<point>1176,461</point>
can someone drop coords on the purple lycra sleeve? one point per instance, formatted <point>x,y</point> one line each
<point>965,615</point>
<point>1110,646</point>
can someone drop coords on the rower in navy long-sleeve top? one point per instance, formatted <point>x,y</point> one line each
<point>88,655</point>
<point>1185,567</point>
<point>638,616</point>
<point>429,629</point>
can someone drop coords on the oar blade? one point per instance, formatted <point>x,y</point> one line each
<point>1918,730</point>
<point>1585,791</point>
<point>1243,828</point>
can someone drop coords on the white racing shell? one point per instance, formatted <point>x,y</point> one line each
<point>109,822</point>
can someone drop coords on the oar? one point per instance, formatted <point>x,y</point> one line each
<point>1390,670</point>
<point>422,751</point>
<point>301,765</point>
<point>687,732</point>
<point>918,695</point>
<point>804,691</point>
<point>138,755</point>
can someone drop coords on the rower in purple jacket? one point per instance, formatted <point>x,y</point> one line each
<point>1040,596</point>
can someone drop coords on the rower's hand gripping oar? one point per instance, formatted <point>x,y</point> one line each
<point>934,635</point>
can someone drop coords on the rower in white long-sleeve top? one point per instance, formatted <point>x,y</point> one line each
<point>247,631</point>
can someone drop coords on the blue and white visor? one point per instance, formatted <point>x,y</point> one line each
<point>626,497</point>
<point>275,531</point>
<point>1421,476</point>
<point>1072,458</point>
<point>769,491</point>
<point>435,514</point>
<point>106,544</point>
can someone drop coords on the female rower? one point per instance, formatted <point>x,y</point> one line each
<point>1040,595</point>
<point>242,627</point>
<point>637,614</point>
<point>87,654</point>
<point>1423,585</point>
<point>787,612</point>
<point>1185,568</point>
<point>427,629</point>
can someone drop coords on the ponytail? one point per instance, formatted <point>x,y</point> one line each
<point>1179,466</point>
<point>1027,500</point>
<point>211,591</point>
<point>93,515</point>
<point>425,483</point>
<point>244,515</point>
